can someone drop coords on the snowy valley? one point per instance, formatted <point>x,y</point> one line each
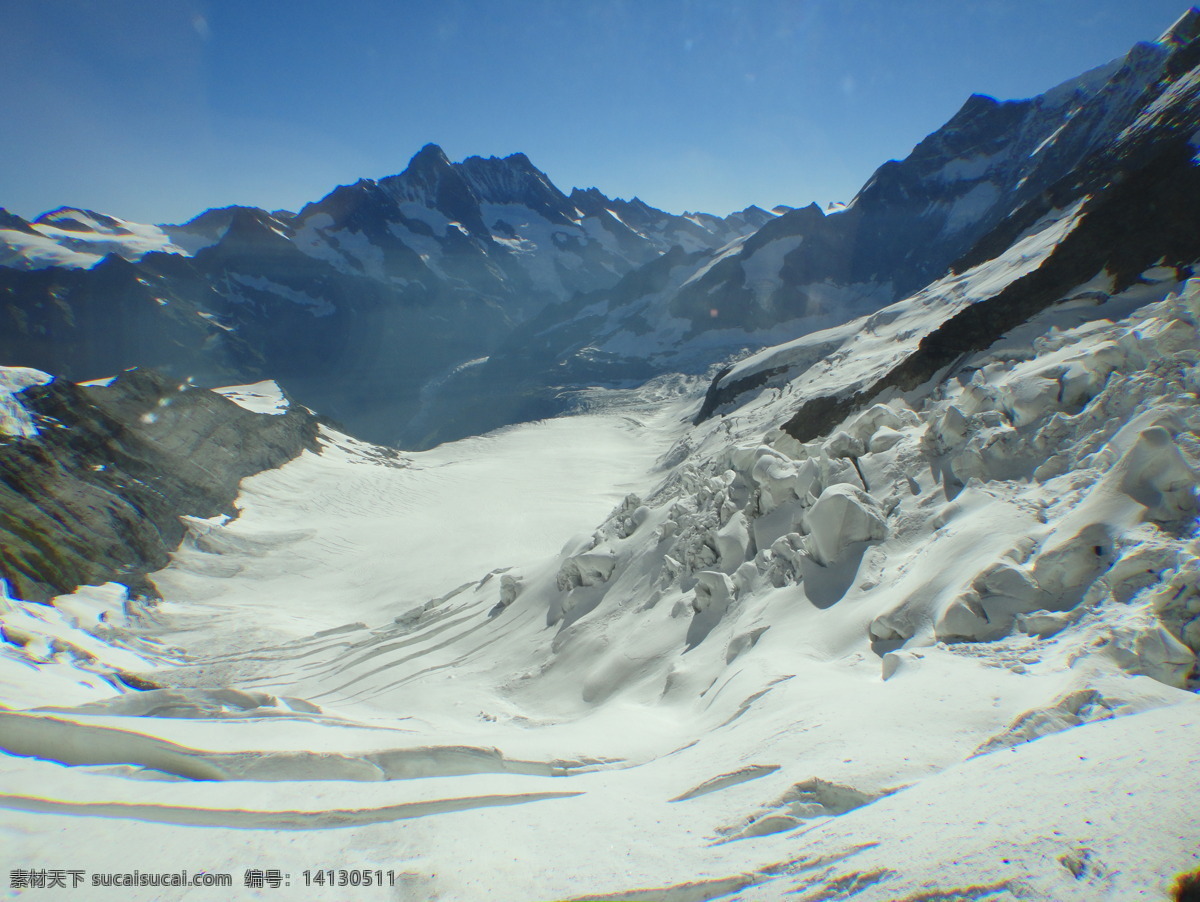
<point>875,589</point>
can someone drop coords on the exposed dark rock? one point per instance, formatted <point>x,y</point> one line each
<point>98,494</point>
<point>15,223</point>
<point>1149,217</point>
<point>993,162</point>
<point>88,324</point>
<point>721,392</point>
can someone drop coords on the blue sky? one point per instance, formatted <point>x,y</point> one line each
<point>155,110</point>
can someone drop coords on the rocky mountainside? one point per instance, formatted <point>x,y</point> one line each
<point>967,193</point>
<point>383,284</point>
<point>905,607</point>
<point>908,658</point>
<point>1133,208</point>
<point>95,480</point>
<point>453,298</point>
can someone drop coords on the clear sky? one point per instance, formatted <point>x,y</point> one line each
<point>155,110</point>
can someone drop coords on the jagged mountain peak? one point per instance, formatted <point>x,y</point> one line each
<point>429,156</point>
<point>1184,30</point>
<point>212,224</point>
<point>76,219</point>
<point>250,221</point>
<point>801,215</point>
<point>12,221</point>
<point>514,179</point>
<point>515,161</point>
<point>587,197</point>
<point>594,202</point>
<point>981,124</point>
<point>343,203</point>
<point>446,235</point>
<point>250,231</point>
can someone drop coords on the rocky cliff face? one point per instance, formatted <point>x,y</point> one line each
<point>1112,145</point>
<point>1130,209</point>
<point>456,297</point>
<point>914,217</point>
<point>95,491</point>
<point>384,283</point>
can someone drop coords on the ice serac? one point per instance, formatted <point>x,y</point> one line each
<point>1122,200</point>
<point>911,611</point>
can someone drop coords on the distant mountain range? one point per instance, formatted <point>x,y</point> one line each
<point>353,303</point>
<point>457,297</point>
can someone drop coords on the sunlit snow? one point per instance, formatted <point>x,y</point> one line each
<point>913,656</point>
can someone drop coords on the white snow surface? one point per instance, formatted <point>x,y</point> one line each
<point>260,397</point>
<point>15,419</point>
<point>946,652</point>
<point>81,248</point>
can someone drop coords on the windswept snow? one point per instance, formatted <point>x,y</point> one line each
<point>260,397</point>
<point>946,651</point>
<point>79,239</point>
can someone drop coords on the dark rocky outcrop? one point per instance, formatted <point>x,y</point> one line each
<point>15,223</point>
<point>721,392</point>
<point>98,493</point>
<point>1148,217</point>
<point>1124,155</point>
<point>88,324</point>
<point>990,170</point>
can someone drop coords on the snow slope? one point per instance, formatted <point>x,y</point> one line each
<point>946,651</point>
<point>77,239</point>
<point>14,418</point>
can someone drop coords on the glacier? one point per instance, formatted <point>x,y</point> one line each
<point>819,556</point>
<point>947,651</point>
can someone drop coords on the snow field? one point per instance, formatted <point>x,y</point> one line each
<point>945,652</point>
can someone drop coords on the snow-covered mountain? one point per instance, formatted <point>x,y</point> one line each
<point>76,239</point>
<point>386,283</point>
<point>970,190</point>
<point>904,608</point>
<point>945,650</point>
<point>470,295</point>
<point>499,225</point>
